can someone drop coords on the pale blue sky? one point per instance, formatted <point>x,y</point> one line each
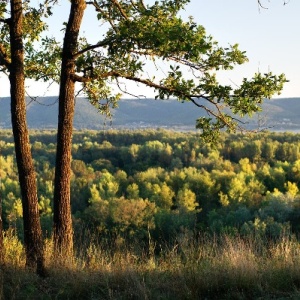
<point>269,36</point>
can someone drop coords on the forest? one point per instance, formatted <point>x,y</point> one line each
<point>128,184</point>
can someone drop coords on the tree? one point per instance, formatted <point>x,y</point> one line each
<point>186,199</point>
<point>12,60</point>
<point>63,231</point>
<point>1,233</point>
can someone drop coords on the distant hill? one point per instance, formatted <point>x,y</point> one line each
<point>278,114</point>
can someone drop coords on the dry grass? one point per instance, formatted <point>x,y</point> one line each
<point>209,268</point>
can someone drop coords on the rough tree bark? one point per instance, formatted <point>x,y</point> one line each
<point>27,177</point>
<point>63,231</point>
<point>1,235</point>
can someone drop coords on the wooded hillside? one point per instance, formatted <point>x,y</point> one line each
<point>277,114</point>
<point>129,183</point>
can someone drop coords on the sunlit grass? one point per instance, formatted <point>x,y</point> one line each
<point>203,268</point>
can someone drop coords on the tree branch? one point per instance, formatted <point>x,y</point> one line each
<point>122,12</point>
<point>260,5</point>
<point>6,21</point>
<point>285,2</point>
<point>4,58</point>
<point>91,47</point>
<point>143,4</point>
<point>147,82</point>
<point>182,61</point>
<point>126,92</point>
<point>99,9</point>
<point>78,78</point>
<point>218,115</point>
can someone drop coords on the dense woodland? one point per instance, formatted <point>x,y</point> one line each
<point>155,184</point>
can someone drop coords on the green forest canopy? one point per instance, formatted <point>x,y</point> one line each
<point>126,184</point>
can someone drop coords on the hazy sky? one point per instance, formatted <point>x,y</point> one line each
<point>270,37</point>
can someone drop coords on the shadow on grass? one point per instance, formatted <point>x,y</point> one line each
<point>208,268</point>
<point>198,282</point>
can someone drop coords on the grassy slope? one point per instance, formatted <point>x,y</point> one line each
<point>227,268</point>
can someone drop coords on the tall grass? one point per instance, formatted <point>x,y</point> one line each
<point>203,268</point>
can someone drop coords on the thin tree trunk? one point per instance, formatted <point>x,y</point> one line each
<point>63,231</point>
<point>27,177</point>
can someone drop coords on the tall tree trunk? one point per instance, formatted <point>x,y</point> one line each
<point>1,236</point>
<point>2,250</point>
<point>63,231</point>
<point>27,177</point>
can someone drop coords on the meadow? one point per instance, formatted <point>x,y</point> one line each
<point>210,268</point>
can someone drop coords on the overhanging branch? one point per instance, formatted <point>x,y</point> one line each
<point>176,92</point>
<point>103,43</point>
<point>216,112</point>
